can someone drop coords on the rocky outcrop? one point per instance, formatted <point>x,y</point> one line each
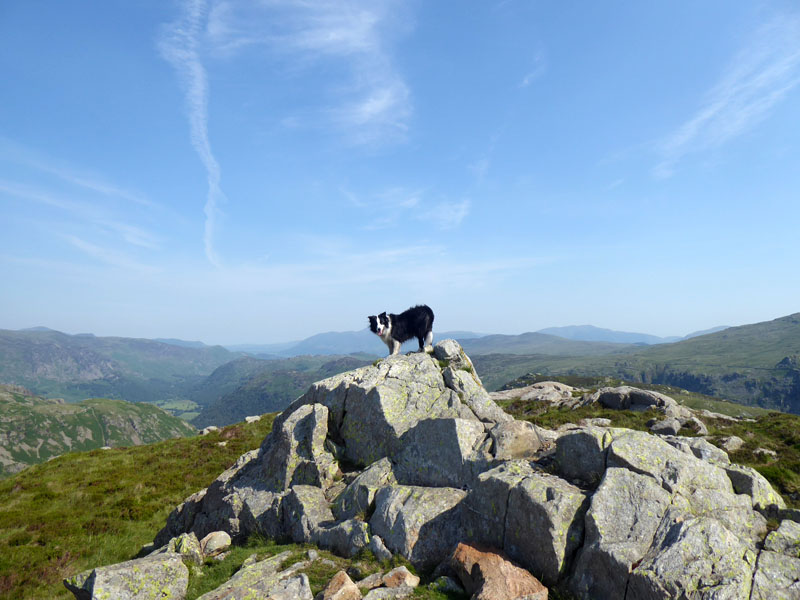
<point>411,457</point>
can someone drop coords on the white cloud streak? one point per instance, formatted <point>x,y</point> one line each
<point>85,213</point>
<point>21,155</point>
<point>388,208</point>
<point>371,106</point>
<point>180,45</point>
<point>760,76</point>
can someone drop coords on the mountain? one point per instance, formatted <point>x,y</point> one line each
<point>590,333</point>
<point>705,332</point>
<point>249,386</point>
<point>757,364</point>
<point>75,367</point>
<point>182,343</point>
<point>539,343</point>
<point>35,429</point>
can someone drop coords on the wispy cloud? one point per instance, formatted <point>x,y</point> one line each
<point>180,45</point>
<point>21,155</point>
<point>109,256</point>
<point>537,69</point>
<point>372,103</point>
<point>84,212</point>
<point>758,78</point>
<point>389,207</point>
<point>447,215</point>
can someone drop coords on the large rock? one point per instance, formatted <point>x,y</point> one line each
<point>358,497</point>
<point>487,502</point>
<point>515,439</point>
<point>544,524</point>
<point>187,545</point>
<point>697,487</point>
<point>785,539</point>
<point>442,453</point>
<point>469,389</point>
<point>777,573</point>
<point>488,575</point>
<point>746,480</point>
<point>264,579</point>
<point>305,510</point>
<point>581,453</point>
<point>347,538</point>
<point>777,577</point>
<point>422,524</point>
<point>341,587</point>
<point>552,392</point>
<point>294,453</point>
<point>693,557</point>
<point>372,407</point>
<point>631,398</point>
<point>700,448</point>
<point>625,514</point>
<point>156,577</point>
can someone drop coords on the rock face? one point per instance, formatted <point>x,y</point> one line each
<point>411,456</point>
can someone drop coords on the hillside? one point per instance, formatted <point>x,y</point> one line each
<point>540,343</point>
<point>75,367</point>
<point>756,364</point>
<point>250,386</point>
<point>35,429</point>
<point>590,333</point>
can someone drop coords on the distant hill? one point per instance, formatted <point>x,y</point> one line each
<point>756,364</point>
<point>590,333</point>
<point>75,367</point>
<point>35,429</point>
<point>250,386</point>
<point>539,343</point>
<point>182,343</point>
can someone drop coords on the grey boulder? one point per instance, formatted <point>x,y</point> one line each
<point>157,577</point>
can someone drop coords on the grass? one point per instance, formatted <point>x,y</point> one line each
<point>775,431</point>
<point>83,510</point>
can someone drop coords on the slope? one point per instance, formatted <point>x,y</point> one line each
<point>757,364</point>
<point>75,367</point>
<point>34,429</point>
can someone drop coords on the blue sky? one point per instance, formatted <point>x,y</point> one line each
<point>258,171</point>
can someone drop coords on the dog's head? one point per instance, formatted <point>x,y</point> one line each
<point>379,325</point>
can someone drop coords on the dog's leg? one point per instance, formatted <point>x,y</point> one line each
<point>395,347</point>
<point>429,342</point>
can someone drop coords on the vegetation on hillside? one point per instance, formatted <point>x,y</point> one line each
<point>34,429</point>
<point>756,365</point>
<point>86,509</point>
<point>75,367</point>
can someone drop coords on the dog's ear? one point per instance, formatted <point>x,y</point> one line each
<point>383,314</point>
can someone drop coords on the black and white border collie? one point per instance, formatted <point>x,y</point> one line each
<point>416,322</point>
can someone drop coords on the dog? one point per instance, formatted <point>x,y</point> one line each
<point>416,322</point>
